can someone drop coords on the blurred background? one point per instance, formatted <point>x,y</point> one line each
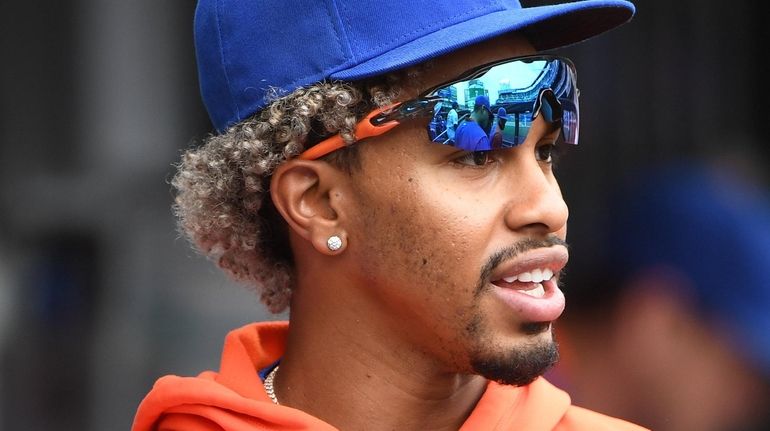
<point>99,295</point>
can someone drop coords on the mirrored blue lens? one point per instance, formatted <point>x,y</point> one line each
<point>494,106</point>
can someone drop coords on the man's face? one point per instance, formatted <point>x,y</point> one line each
<point>438,230</point>
<point>481,116</point>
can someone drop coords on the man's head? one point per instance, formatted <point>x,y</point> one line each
<point>709,228</point>
<point>422,254</point>
<point>676,302</point>
<point>425,253</point>
<point>481,111</point>
<point>502,117</point>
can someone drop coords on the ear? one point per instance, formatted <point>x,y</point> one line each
<point>310,195</point>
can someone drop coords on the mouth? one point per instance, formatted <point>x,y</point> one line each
<point>529,284</point>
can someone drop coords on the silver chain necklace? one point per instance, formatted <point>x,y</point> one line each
<point>269,385</point>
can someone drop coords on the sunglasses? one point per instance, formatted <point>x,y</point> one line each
<point>466,112</point>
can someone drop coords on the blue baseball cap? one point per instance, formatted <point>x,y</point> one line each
<point>501,113</point>
<point>248,49</point>
<point>712,227</point>
<point>481,100</point>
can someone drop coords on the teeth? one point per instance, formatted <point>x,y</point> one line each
<point>535,276</point>
<point>547,274</point>
<point>537,292</point>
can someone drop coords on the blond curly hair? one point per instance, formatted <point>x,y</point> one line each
<point>222,187</point>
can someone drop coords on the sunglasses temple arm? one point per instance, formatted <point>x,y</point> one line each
<point>364,129</point>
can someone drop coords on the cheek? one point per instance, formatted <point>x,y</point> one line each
<point>422,239</point>
<point>409,236</point>
<point>416,265</point>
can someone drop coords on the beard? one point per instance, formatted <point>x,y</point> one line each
<point>520,364</point>
<point>517,366</point>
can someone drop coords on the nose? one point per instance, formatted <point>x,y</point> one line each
<point>536,205</point>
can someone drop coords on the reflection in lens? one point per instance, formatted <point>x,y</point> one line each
<point>515,87</point>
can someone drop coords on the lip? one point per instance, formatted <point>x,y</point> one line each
<point>528,308</point>
<point>553,258</point>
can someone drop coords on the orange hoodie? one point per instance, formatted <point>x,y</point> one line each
<point>235,399</point>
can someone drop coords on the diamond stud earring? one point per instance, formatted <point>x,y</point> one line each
<point>334,243</point>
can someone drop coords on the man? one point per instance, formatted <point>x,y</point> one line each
<point>452,119</point>
<point>417,300</point>
<point>438,129</point>
<point>497,131</point>
<point>473,134</point>
<point>671,329</point>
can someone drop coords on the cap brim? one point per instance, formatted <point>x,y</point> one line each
<point>547,27</point>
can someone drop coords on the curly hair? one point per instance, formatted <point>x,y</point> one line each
<point>222,187</point>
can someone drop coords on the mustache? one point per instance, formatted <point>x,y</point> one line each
<point>512,251</point>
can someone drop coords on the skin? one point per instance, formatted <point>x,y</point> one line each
<point>481,116</point>
<point>393,320</point>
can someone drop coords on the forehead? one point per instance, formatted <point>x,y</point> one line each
<point>449,66</point>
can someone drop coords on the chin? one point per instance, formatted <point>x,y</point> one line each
<point>518,363</point>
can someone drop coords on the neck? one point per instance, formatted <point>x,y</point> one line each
<point>353,373</point>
